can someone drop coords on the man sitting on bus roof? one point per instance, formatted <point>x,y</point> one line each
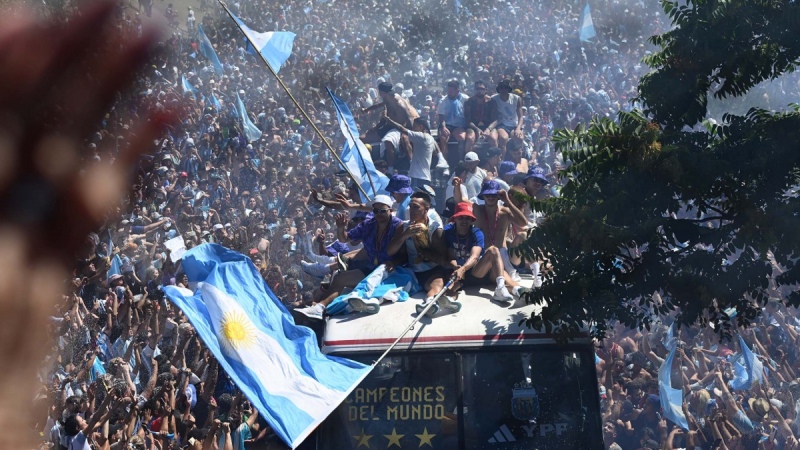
<point>375,233</point>
<point>423,240</point>
<point>495,219</point>
<point>473,265</point>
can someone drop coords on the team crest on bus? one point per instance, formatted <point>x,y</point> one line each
<point>524,402</point>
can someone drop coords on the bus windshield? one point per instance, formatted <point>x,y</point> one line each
<point>534,398</point>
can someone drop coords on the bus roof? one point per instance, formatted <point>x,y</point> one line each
<point>481,322</point>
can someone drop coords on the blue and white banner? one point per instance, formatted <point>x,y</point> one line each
<point>751,372</point>
<point>208,50</point>
<point>215,102</point>
<point>274,46</point>
<point>671,399</point>
<point>187,87</point>
<point>587,31</point>
<point>275,363</point>
<point>355,154</point>
<point>251,131</point>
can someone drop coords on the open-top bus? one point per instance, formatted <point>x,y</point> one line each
<point>475,379</point>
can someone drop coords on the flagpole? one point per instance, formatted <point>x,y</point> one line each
<point>414,322</point>
<point>300,108</point>
<point>350,132</point>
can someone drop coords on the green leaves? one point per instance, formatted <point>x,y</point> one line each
<point>731,45</point>
<point>690,215</point>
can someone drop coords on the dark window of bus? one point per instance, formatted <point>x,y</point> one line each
<point>406,402</point>
<point>544,400</point>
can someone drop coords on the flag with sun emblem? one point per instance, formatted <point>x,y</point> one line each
<point>275,363</point>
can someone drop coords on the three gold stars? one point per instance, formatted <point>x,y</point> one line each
<point>394,438</point>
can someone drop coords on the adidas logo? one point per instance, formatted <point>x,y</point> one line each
<point>502,435</point>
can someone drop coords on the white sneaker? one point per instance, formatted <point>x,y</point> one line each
<point>515,276</point>
<point>537,281</point>
<point>501,294</point>
<point>366,305</point>
<point>318,270</point>
<point>313,312</point>
<point>431,312</point>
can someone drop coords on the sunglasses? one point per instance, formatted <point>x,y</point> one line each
<point>380,211</point>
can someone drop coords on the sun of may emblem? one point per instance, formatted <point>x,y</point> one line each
<point>237,330</point>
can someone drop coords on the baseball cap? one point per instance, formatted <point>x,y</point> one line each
<point>382,200</point>
<point>471,157</point>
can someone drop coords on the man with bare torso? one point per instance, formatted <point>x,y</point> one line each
<point>399,110</point>
<point>495,220</point>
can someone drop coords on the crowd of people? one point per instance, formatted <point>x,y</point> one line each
<point>459,121</point>
<point>726,404</point>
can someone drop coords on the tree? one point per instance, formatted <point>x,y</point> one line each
<point>661,212</point>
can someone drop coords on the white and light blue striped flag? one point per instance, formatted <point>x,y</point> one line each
<point>275,363</point>
<point>355,154</point>
<point>208,50</point>
<point>216,103</point>
<point>187,87</point>
<point>251,131</point>
<point>671,398</point>
<point>274,46</point>
<point>752,371</point>
<point>587,26</point>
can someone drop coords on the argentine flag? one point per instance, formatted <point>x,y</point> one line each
<point>274,46</point>
<point>355,154</point>
<point>208,50</point>
<point>187,87</point>
<point>251,131</point>
<point>275,363</point>
<point>751,373</point>
<point>671,398</point>
<point>587,26</point>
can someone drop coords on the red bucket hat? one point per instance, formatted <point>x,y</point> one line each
<point>463,209</point>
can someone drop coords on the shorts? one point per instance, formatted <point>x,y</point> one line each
<point>472,280</point>
<point>508,129</point>
<point>393,137</point>
<point>425,276</point>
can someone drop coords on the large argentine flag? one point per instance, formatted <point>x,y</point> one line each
<point>671,398</point>
<point>587,26</point>
<point>275,363</point>
<point>274,46</point>
<point>355,154</point>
